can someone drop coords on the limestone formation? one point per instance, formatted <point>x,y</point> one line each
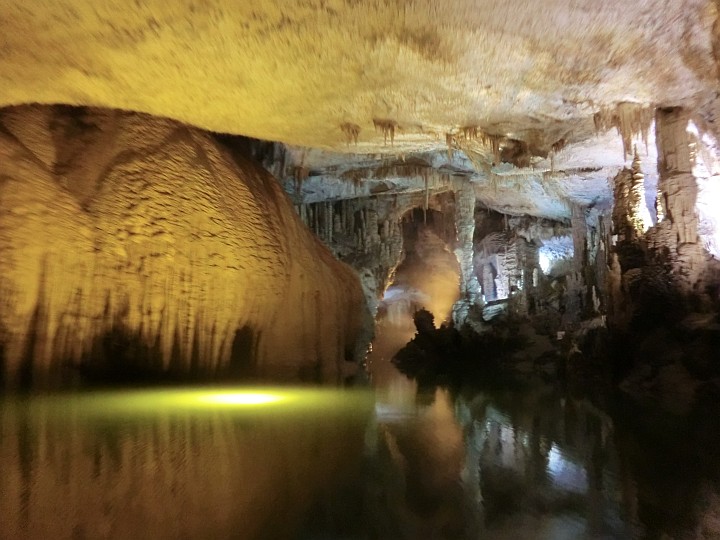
<point>130,242</point>
<point>125,235</point>
<point>669,264</point>
<point>470,293</point>
<point>629,202</point>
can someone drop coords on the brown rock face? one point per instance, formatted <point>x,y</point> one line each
<point>134,243</point>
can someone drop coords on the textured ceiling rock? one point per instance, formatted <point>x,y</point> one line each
<point>375,75</point>
<point>579,174</point>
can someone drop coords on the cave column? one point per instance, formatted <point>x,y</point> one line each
<point>576,287</point>
<point>675,239</point>
<point>677,187</point>
<point>465,227</point>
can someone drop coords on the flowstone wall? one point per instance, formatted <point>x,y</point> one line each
<point>136,244</point>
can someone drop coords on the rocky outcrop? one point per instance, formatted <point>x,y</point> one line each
<point>135,243</point>
<point>670,268</point>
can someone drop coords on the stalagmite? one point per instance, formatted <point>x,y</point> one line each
<point>629,196</point>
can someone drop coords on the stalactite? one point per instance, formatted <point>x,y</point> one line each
<point>555,149</point>
<point>351,132</point>
<point>300,174</point>
<point>630,120</point>
<point>470,132</point>
<point>450,143</point>
<point>388,128</point>
<point>495,143</point>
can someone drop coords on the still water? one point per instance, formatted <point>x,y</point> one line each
<point>380,463</point>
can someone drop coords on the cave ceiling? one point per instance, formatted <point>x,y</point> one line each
<point>514,81</point>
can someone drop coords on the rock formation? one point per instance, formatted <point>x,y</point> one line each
<point>670,259</point>
<point>366,113</point>
<point>129,242</point>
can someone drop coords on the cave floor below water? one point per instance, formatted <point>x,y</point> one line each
<point>386,462</point>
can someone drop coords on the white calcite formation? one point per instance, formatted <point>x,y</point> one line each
<point>627,215</point>
<point>672,260</point>
<point>675,239</point>
<point>127,238</point>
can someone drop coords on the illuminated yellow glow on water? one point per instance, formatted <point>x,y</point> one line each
<point>241,398</point>
<point>276,401</point>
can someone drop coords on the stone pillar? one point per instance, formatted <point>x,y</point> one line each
<point>576,286</point>
<point>677,186</point>
<point>465,227</point>
<point>675,240</point>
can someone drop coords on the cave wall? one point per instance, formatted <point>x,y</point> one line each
<point>129,242</point>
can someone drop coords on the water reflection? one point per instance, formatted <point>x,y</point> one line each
<point>538,465</point>
<point>151,465</point>
<point>389,464</point>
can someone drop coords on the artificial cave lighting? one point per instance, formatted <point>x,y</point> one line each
<point>242,398</point>
<point>203,400</point>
